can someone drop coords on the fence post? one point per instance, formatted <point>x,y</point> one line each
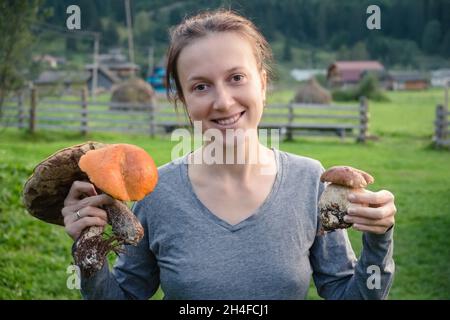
<point>20,109</point>
<point>152,119</point>
<point>290,121</point>
<point>440,125</point>
<point>363,120</point>
<point>32,123</point>
<point>445,125</point>
<point>84,113</point>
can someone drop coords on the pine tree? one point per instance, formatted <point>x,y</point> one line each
<point>431,36</point>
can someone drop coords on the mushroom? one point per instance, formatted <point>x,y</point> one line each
<point>123,171</point>
<point>333,203</point>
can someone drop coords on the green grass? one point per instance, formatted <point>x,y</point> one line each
<point>35,255</point>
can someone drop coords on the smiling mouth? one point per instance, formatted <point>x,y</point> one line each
<point>230,120</point>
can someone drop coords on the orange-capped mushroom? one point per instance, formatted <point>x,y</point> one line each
<point>124,171</point>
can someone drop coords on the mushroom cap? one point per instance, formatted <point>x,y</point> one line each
<point>124,171</point>
<point>347,176</point>
<point>48,186</point>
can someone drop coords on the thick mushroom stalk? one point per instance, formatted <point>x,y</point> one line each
<point>126,173</point>
<point>333,203</point>
<point>123,171</point>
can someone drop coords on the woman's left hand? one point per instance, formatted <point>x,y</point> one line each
<point>371,211</point>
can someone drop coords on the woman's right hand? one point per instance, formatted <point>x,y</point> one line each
<point>83,198</point>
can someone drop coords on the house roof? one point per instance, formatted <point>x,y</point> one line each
<point>350,71</point>
<point>358,65</point>
<point>441,73</point>
<point>118,66</point>
<point>125,65</point>
<point>114,60</point>
<point>305,74</point>
<point>49,58</point>
<point>403,76</point>
<point>50,77</point>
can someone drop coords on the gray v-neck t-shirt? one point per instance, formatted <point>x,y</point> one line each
<point>193,254</point>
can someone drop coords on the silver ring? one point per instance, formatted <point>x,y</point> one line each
<point>78,214</point>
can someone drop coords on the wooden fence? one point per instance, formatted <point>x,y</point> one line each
<point>441,137</point>
<point>81,114</point>
<point>317,119</point>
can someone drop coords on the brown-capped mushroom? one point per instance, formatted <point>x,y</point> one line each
<point>134,176</point>
<point>333,203</point>
<point>48,186</point>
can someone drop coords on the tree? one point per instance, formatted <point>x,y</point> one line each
<point>359,51</point>
<point>143,29</point>
<point>445,47</point>
<point>431,36</point>
<point>90,19</point>
<point>15,38</point>
<point>110,36</point>
<point>343,53</point>
<point>287,50</point>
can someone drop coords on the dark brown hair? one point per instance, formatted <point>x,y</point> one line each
<point>205,23</point>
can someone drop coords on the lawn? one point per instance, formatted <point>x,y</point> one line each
<point>35,256</point>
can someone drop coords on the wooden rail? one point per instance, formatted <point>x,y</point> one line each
<point>80,114</point>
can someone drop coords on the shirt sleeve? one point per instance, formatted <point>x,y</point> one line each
<point>134,276</point>
<point>338,274</point>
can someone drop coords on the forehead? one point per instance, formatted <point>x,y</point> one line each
<point>216,53</point>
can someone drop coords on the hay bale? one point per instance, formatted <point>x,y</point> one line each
<point>132,91</point>
<point>313,92</point>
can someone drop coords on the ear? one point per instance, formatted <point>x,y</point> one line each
<point>263,83</point>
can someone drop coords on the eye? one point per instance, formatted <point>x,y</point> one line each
<point>200,87</point>
<point>237,77</point>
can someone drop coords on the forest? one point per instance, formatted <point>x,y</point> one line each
<point>414,34</point>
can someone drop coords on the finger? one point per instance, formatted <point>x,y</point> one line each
<point>372,229</point>
<point>370,197</point>
<point>370,212</point>
<point>88,211</point>
<point>75,229</point>
<point>79,189</point>
<point>94,201</point>
<point>387,222</point>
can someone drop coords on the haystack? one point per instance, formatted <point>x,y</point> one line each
<point>132,91</point>
<point>313,92</point>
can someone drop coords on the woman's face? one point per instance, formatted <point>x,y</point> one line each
<point>221,82</point>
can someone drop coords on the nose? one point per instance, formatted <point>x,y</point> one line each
<point>223,99</point>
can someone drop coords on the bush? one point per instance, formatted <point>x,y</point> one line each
<point>368,87</point>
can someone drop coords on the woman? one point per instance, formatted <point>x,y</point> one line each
<point>246,230</point>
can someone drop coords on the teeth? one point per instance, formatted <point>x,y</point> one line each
<point>228,121</point>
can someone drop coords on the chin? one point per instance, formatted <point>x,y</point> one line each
<point>227,138</point>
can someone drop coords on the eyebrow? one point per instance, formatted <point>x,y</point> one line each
<point>195,77</point>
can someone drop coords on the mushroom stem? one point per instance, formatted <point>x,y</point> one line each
<point>91,248</point>
<point>124,223</point>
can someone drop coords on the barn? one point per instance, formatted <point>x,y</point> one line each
<point>349,73</point>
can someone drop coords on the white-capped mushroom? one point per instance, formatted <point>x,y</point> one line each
<point>333,203</point>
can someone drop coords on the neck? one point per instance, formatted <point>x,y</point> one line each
<point>236,161</point>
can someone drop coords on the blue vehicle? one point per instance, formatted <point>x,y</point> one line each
<point>157,79</point>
